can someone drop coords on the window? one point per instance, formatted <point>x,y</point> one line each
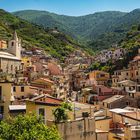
<point>22,89</point>
<point>1,109</point>
<point>99,90</point>
<point>41,112</point>
<point>127,103</point>
<point>11,67</point>
<point>14,89</point>
<point>12,44</point>
<point>15,68</point>
<point>138,88</point>
<point>102,75</point>
<point>0,92</point>
<point>132,95</point>
<point>107,105</point>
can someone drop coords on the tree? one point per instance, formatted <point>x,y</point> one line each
<point>60,113</point>
<point>27,128</point>
<point>95,66</point>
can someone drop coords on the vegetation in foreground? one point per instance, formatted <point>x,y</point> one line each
<point>27,128</point>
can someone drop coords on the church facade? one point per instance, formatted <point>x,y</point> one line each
<point>10,59</point>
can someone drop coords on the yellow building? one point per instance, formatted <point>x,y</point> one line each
<point>9,95</point>
<point>43,105</point>
<point>5,98</point>
<point>22,91</point>
<point>77,128</point>
<point>26,62</point>
<point>102,123</point>
<point>100,76</point>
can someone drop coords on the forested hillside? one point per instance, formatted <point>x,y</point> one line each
<point>131,44</point>
<point>56,43</point>
<point>98,31</point>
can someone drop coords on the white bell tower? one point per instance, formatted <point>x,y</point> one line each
<point>14,46</point>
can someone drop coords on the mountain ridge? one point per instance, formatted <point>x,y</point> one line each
<point>98,31</point>
<point>70,22</point>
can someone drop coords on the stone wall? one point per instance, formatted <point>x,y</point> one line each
<point>82,129</point>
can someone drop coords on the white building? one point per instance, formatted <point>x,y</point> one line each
<point>10,59</point>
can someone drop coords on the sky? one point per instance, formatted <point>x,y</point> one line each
<point>70,7</point>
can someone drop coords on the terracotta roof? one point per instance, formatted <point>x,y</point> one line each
<point>46,100</point>
<point>104,89</point>
<point>101,98</point>
<point>54,69</point>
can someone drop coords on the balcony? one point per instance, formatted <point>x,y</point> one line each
<point>117,129</point>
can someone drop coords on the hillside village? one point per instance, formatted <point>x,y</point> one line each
<point>104,106</point>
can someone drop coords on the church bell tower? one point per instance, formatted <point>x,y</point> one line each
<point>14,46</point>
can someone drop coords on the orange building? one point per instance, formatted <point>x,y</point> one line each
<point>100,76</point>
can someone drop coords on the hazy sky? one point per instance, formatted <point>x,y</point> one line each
<point>70,7</point>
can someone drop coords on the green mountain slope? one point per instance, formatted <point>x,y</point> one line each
<point>116,31</point>
<point>56,43</point>
<point>98,30</point>
<point>80,27</point>
<point>131,44</point>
